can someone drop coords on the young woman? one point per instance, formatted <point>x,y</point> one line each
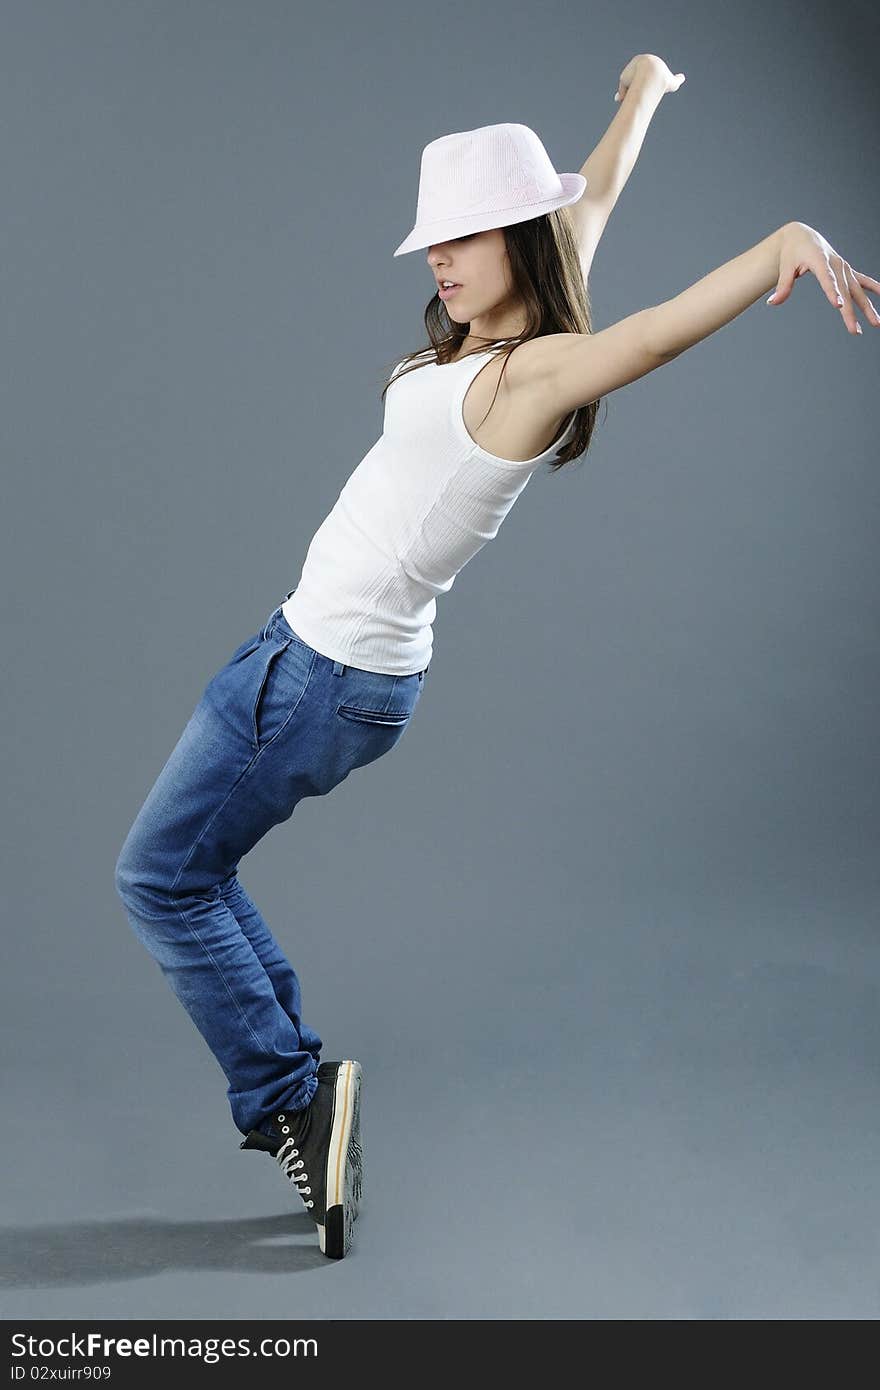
<point>330,682</point>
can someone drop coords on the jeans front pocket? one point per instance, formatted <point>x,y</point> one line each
<point>249,645</point>
<point>275,694</point>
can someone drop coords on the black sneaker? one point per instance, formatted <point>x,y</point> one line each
<point>319,1149</point>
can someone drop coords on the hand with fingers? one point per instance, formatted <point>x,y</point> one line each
<point>802,248</point>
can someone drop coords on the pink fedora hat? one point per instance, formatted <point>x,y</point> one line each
<point>489,177</point>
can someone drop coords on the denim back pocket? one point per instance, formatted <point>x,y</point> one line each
<point>390,718</point>
<point>374,716</point>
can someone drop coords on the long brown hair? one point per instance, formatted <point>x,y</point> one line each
<point>547,276</point>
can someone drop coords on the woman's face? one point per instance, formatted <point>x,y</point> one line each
<point>479,264</point>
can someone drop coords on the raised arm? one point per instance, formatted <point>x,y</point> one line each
<point>568,370</point>
<point>641,86</point>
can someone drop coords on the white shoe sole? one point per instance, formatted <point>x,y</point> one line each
<point>344,1175</point>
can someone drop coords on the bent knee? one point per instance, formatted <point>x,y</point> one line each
<point>137,882</point>
<point>129,882</point>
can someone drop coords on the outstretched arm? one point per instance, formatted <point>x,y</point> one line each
<point>569,370</point>
<point>643,82</point>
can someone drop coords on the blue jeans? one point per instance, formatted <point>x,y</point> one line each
<point>277,722</point>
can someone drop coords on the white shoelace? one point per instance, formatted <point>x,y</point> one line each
<point>285,1158</point>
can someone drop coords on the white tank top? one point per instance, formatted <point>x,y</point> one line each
<point>417,507</point>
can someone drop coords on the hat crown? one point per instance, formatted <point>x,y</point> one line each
<point>492,176</point>
<point>489,169</point>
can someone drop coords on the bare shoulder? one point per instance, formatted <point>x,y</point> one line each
<point>569,370</point>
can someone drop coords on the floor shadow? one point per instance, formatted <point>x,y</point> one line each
<point>91,1252</point>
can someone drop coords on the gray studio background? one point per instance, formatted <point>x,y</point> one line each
<point>603,929</point>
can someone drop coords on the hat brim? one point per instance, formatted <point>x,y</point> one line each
<point>428,233</point>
